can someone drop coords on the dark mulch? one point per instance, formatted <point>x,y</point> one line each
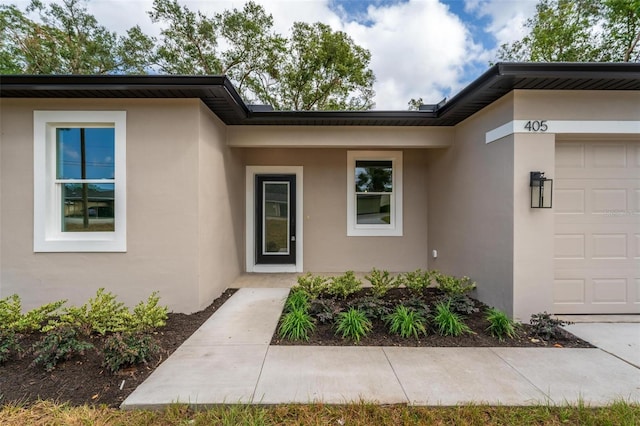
<point>325,335</point>
<point>84,380</point>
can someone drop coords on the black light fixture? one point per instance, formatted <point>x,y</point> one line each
<point>541,191</point>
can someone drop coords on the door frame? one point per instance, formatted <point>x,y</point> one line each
<point>250,228</point>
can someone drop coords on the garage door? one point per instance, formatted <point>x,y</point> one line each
<point>597,227</point>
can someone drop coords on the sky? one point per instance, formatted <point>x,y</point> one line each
<point>427,49</point>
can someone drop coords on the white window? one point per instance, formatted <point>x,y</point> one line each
<point>374,193</point>
<point>79,181</point>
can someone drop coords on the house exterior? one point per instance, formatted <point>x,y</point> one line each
<point>143,183</point>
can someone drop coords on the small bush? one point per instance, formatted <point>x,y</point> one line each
<point>101,314</point>
<point>353,324</point>
<point>298,299</point>
<point>372,307</point>
<point>461,304</point>
<point>11,317</point>
<point>452,286</point>
<point>406,322</point>
<point>324,310</point>
<point>344,285</point>
<point>500,325</point>
<point>313,285</point>
<point>58,345</point>
<point>381,282</point>
<point>9,345</point>
<point>123,349</point>
<point>146,316</point>
<point>296,325</point>
<point>546,327</point>
<point>10,311</point>
<point>447,322</point>
<point>418,305</point>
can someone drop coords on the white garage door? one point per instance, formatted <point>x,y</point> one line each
<point>597,227</point>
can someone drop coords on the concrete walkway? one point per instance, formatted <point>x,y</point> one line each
<point>229,360</point>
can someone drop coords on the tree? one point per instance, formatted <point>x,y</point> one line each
<point>67,40</point>
<point>579,31</point>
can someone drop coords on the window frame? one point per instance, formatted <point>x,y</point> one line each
<point>48,234</point>
<point>394,228</point>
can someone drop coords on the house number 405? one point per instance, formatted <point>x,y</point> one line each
<point>536,126</point>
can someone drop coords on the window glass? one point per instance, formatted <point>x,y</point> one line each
<point>88,207</point>
<point>374,176</point>
<point>85,153</point>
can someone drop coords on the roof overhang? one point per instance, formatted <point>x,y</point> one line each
<point>219,95</point>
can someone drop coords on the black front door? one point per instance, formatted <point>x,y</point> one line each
<point>275,219</point>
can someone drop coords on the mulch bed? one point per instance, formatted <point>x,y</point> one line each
<point>325,334</point>
<point>84,380</point>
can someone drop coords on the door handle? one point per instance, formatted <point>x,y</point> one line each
<point>293,238</point>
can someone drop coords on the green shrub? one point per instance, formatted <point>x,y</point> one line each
<point>298,299</point>
<point>461,304</point>
<point>58,345</point>
<point>447,322</point>
<point>123,349</point>
<point>9,345</point>
<point>416,281</point>
<point>372,306</point>
<point>500,325</point>
<point>324,310</point>
<point>296,325</point>
<point>381,282</point>
<point>11,317</point>
<point>313,285</point>
<point>546,327</point>
<point>453,286</point>
<point>146,316</point>
<point>344,285</point>
<point>353,324</point>
<point>406,322</point>
<point>418,305</point>
<point>101,314</point>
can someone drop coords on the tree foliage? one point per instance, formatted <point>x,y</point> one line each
<point>579,31</point>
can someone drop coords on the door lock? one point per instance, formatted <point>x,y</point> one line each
<point>293,238</point>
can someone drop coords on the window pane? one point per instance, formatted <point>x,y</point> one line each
<point>276,218</point>
<point>373,209</point>
<point>97,162</point>
<point>88,207</point>
<point>374,176</point>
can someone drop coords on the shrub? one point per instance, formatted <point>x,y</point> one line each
<point>372,307</point>
<point>406,322</point>
<point>418,305</point>
<point>353,324</point>
<point>344,285</point>
<point>58,345</point>
<point>313,285</point>
<point>146,316</point>
<point>416,281</point>
<point>447,322</point>
<point>296,325</point>
<point>101,314</point>
<point>324,310</point>
<point>298,299</point>
<point>9,345</point>
<point>500,325</point>
<point>11,317</point>
<point>122,349</point>
<point>381,282</point>
<point>452,286</point>
<point>546,327</point>
<point>461,304</point>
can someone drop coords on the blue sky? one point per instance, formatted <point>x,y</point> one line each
<point>426,49</point>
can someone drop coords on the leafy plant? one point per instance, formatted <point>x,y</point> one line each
<point>418,305</point>
<point>11,317</point>
<point>9,345</point>
<point>461,304</point>
<point>296,325</point>
<point>57,345</point>
<point>546,327</point>
<point>353,324</point>
<point>416,281</point>
<point>10,311</point>
<point>381,282</point>
<point>500,325</point>
<point>101,314</point>
<point>344,285</point>
<point>324,310</point>
<point>406,322</point>
<point>372,306</point>
<point>313,285</point>
<point>121,349</point>
<point>453,286</point>
<point>147,316</point>
<point>447,322</point>
<point>298,299</point>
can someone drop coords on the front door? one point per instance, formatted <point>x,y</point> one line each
<point>275,219</point>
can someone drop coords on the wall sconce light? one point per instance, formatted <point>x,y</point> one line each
<point>541,191</point>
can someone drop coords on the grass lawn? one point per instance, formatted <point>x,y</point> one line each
<point>49,413</point>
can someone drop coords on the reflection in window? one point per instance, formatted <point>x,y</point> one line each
<point>374,187</point>
<point>85,177</point>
